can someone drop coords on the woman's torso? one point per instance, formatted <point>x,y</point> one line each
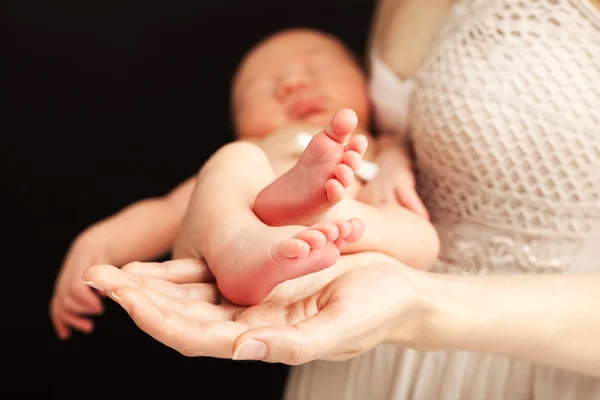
<point>506,131</point>
<point>505,124</point>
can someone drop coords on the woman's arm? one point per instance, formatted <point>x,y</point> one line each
<point>546,319</point>
<point>348,309</point>
<point>551,320</point>
<point>400,36</point>
<point>402,31</point>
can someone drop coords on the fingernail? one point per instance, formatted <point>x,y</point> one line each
<point>94,285</point>
<point>120,300</point>
<point>250,350</point>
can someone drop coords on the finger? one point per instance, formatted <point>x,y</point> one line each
<point>62,330</point>
<point>86,297</point>
<point>317,337</point>
<point>73,306</point>
<point>187,337</point>
<point>111,278</point>
<point>199,311</point>
<point>77,322</point>
<point>184,291</point>
<point>411,200</point>
<point>188,270</point>
<point>108,278</point>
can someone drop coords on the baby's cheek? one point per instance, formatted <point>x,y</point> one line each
<point>360,101</point>
<point>257,123</point>
<point>351,95</point>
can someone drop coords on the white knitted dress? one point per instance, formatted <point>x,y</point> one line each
<point>505,123</point>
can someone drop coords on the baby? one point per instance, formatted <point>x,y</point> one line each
<point>294,81</point>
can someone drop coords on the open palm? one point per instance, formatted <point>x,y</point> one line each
<point>334,314</point>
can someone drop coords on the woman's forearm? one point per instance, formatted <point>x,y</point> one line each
<point>547,319</point>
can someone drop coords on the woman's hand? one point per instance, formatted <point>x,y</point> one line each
<point>357,311</point>
<point>335,314</point>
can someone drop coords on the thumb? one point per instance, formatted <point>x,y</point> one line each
<point>322,336</point>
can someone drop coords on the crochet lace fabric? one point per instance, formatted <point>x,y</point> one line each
<point>506,131</point>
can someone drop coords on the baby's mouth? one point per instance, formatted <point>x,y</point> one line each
<point>305,107</point>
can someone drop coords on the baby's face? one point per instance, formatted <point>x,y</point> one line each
<point>296,77</point>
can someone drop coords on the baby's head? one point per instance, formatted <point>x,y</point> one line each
<point>297,76</point>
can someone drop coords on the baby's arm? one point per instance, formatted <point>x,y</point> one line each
<point>146,229</point>
<point>142,231</point>
<point>389,227</point>
<point>395,182</point>
<point>396,222</point>
<point>394,231</point>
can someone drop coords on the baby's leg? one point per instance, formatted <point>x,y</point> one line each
<point>247,257</point>
<point>308,191</point>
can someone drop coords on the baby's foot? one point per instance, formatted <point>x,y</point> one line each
<point>259,258</point>
<point>316,183</point>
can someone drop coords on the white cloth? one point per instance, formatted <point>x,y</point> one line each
<point>505,124</point>
<point>390,97</point>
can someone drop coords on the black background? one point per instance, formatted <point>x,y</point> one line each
<point>104,103</point>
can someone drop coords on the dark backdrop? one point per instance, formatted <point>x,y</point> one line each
<point>106,102</point>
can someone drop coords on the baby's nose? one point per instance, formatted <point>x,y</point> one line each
<point>290,83</point>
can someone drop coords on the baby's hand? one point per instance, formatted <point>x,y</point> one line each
<point>394,184</point>
<point>73,302</point>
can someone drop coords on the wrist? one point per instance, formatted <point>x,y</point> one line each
<point>458,316</point>
<point>435,316</point>
<point>413,310</point>
<point>392,152</point>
